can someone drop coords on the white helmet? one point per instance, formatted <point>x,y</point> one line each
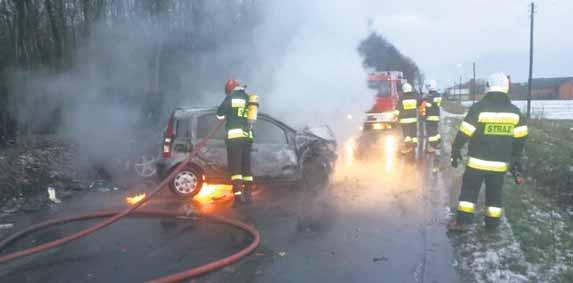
<point>432,85</point>
<point>406,88</point>
<point>498,82</point>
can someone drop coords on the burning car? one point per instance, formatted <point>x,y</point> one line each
<point>280,154</point>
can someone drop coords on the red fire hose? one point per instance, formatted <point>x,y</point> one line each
<point>117,215</point>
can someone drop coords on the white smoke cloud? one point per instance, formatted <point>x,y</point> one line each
<point>318,79</point>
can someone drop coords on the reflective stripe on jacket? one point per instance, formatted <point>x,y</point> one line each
<point>234,110</point>
<point>407,109</point>
<point>496,132</point>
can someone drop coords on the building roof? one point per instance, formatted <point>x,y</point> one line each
<point>544,83</point>
<point>519,90</point>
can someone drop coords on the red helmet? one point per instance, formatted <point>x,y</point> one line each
<point>230,85</point>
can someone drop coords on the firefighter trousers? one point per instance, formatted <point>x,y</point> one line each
<point>433,133</point>
<point>410,134</point>
<point>239,163</point>
<point>471,185</point>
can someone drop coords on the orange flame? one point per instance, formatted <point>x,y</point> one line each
<point>135,199</point>
<point>211,192</point>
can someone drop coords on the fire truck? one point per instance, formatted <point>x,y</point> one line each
<point>380,130</point>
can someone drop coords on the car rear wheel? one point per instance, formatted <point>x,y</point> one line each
<point>187,183</point>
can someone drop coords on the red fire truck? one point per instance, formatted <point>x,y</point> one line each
<point>380,131</point>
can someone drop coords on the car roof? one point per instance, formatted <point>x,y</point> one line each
<point>188,112</point>
<point>185,112</point>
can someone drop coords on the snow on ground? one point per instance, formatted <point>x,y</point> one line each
<point>533,245</point>
<point>545,231</point>
<point>492,257</point>
<point>549,109</point>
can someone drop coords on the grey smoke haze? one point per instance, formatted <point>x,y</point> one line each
<point>300,58</point>
<point>319,79</point>
<point>101,97</point>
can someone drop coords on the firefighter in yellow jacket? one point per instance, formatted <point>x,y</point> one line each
<point>240,111</point>
<point>496,132</point>
<point>432,104</point>
<point>407,109</point>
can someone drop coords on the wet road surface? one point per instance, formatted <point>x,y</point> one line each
<point>370,225</point>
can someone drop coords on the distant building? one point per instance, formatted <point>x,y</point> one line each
<point>465,92</point>
<point>545,88</point>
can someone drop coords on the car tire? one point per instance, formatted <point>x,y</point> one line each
<point>187,183</point>
<point>315,174</point>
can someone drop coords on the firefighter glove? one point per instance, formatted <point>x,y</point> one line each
<point>455,158</point>
<point>516,167</point>
<point>516,170</point>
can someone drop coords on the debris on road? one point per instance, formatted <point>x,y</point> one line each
<point>377,259</point>
<point>52,195</point>
<point>281,253</point>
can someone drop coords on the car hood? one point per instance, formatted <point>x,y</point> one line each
<point>309,136</point>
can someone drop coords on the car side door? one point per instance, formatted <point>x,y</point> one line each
<point>274,153</point>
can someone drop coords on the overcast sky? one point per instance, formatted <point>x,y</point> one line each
<point>320,64</point>
<point>440,34</point>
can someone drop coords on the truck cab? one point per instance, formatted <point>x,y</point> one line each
<point>381,123</point>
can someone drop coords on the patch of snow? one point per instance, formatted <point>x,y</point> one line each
<point>489,257</point>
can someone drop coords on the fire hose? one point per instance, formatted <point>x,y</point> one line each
<point>114,216</point>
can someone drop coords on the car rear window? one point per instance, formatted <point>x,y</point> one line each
<point>182,127</point>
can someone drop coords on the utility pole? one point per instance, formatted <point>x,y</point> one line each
<point>530,61</point>
<point>474,84</point>
<point>460,93</point>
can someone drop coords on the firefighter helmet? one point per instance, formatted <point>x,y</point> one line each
<point>230,86</point>
<point>432,85</point>
<point>407,88</point>
<point>498,82</point>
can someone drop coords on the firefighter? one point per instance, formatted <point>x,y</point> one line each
<point>240,111</point>
<point>496,132</point>
<point>407,117</point>
<point>432,104</point>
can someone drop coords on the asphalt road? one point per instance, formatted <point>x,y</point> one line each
<point>372,224</point>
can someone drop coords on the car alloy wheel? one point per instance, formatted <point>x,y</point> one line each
<point>186,183</point>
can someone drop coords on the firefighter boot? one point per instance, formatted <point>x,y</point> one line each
<point>248,192</point>
<point>239,196</point>
<point>491,224</point>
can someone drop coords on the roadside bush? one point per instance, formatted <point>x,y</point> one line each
<point>549,159</point>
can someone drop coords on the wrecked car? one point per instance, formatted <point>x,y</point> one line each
<point>280,154</point>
